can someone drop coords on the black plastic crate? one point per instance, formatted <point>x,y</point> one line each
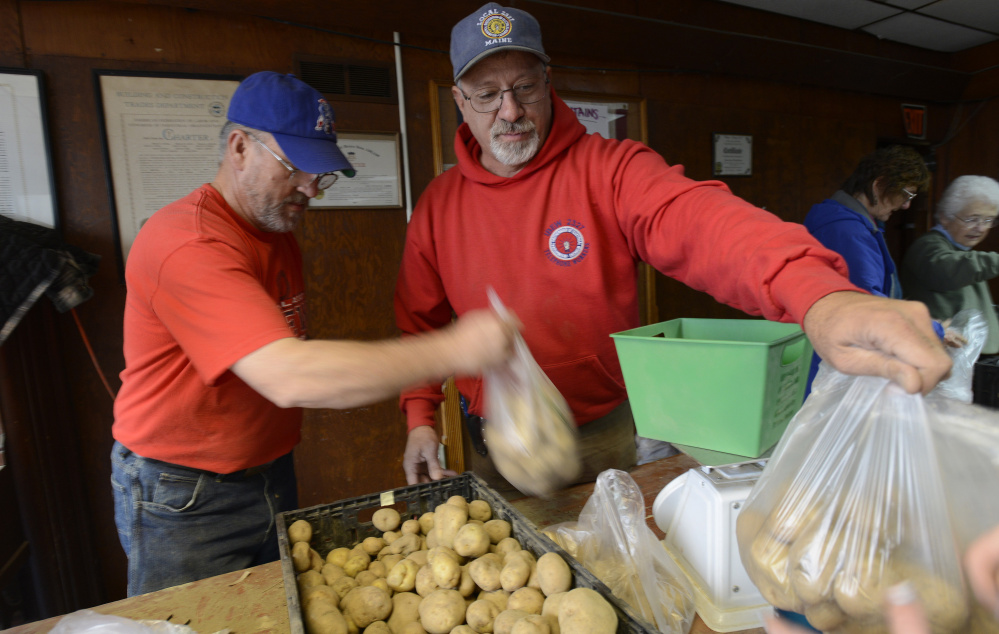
<point>341,524</point>
<point>985,382</point>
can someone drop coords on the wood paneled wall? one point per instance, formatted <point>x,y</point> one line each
<point>807,138</point>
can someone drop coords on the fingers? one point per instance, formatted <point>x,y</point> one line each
<point>981,562</point>
<point>774,625</point>
<point>903,612</point>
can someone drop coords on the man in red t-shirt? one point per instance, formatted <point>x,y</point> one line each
<point>217,360</point>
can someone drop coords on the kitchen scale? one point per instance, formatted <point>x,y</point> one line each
<point>698,511</point>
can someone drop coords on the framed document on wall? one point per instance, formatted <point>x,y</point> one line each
<point>27,190</point>
<point>161,140</point>
<point>378,179</point>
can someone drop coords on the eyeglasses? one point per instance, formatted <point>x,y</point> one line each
<point>911,195</point>
<point>322,181</point>
<point>984,222</point>
<point>489,100</point>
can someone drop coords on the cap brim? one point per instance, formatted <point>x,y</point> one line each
<point>509,47</point>
<point>315,156</point>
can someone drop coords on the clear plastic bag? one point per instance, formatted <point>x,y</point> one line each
<point>971,327</point>
<point>97,623</point>
<point>614,542</point>
<point>530,431</point>
<point>870,486</point>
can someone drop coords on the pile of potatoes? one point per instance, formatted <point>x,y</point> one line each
<point>799,563</point>
<point>455,570</point>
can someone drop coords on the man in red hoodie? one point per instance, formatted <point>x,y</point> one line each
<point>557,220</point>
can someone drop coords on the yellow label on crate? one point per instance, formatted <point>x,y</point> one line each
<point>388,498</point>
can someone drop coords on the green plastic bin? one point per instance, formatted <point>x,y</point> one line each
<point>727,385</point>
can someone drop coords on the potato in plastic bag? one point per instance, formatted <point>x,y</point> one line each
<point>530,431</point>
<point>870,486</point>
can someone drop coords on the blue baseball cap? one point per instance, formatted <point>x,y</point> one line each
<point>298,116</point>
<point>492,29</point>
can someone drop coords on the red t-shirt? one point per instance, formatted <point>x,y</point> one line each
<point>206,288</point>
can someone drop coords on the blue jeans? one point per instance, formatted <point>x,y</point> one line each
<point>178,524</point>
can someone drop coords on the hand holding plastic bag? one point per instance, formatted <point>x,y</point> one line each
<point>613,541</point>
<point>868,487</point>
<point>530,431</point>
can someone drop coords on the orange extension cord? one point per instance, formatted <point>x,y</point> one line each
<point>93,357</point>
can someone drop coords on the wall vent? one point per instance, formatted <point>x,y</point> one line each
<point>350,80</point>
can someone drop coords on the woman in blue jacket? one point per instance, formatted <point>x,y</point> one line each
<point>851,222</point>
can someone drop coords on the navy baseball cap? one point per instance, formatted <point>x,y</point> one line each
<point>492,29</point>
<point>298,116</point>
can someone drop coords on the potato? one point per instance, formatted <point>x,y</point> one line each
<point>299,531</point>
<point>497,530</point>
<point>411,527</point>
<point>316,561</point>
<point>390,561</point>
<point>441,611</point>
<point>825,616</point>
<point>480,510</point>
<point>504,621</point>
<point>480,614</point>
<point>552,604</point>
<point>527,600</point>
<point>507,545</point>
<point>412,628</point>
<point>366,604</point>
<point>356,563</point>
<point>301,557</point>
<point>402,577</point>
<point>460,501</point>
<point>425,582</point>
<point>338,556</point>
<point>386,519</point>
<point>585,611</point>
<point>372,545</point>
<point>378,569</point>
<point>471,541</point>
<point>485,572</point>
<point>448,518</point>
<point>391,536</point>
<point>366,578</point>
<point>320,593</point>
<point>426,522</point>
<point>405,545</point>
<point>331,572</point>
<point>515,574</point>
<point>308,579</point>
<point>421,557</point>
<point>343,585</point>
<point>554,575</point>
<point>324,618</point>
<point>499,597</point>
<point>405,609</point>
<point>378,627</point>
<point>535,624</point>
<point>467,585</point>
<point>446,571</point>
<point>463,629</point>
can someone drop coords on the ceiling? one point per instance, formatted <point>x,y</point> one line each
<point>947,26</point>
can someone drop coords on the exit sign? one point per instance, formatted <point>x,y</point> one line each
<point>914,118</point>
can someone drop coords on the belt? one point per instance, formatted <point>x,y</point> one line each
<point>252,471</point>
<point>475,425</point>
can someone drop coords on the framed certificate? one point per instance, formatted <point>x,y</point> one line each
<point>378,179</point>
<point>161,140</point>
<point>27,190</point>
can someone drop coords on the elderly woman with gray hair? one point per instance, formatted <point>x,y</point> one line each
<point>942,270</point>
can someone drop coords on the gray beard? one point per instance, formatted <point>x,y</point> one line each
<point>513,154</point>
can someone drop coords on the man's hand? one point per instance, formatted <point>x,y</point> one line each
<point>482,339</point>
<point>890,338</point>
<point>420,460</point>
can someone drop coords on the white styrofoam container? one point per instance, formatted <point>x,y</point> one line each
<point>698,511</point>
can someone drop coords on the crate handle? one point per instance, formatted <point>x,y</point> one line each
<point>793,351</point>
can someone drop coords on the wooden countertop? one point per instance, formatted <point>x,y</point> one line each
<point>253,600</point>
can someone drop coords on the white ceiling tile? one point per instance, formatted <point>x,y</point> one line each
<point>846,14</point>
<point>925,32</point>
<point>978,14</point>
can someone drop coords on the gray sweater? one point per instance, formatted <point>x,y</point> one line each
<point>948,279</point>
